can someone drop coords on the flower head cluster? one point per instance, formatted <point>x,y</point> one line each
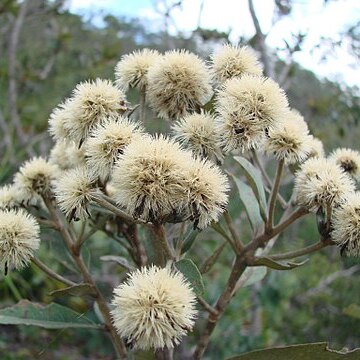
<point>34,179</point>
<point>131,71</point>
<point>348,160</point>
<point>316,147</point>
<point>247,107</point>
<point>8,197</point>
<point>234,61</point>
<point>73,190</point>
<point>321,182</point>
<point>289,139</point>
<point>158,181</point>
<point>107,141</point>
<point>346,225</point>
<point>66,155</point>
<point>198,133</point>
<point>154,308</point>
<point>19,238</point>
<point>177,84</point>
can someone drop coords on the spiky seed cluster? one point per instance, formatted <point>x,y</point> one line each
<point>34,178</point>
<point>177,84</point>
<point>198,133</point>
<point>19,238</point>
<point>321,182</point>
<point>107,141</point>
<point>247,107</point>
<point>234,61</point>
<point>206,189</point>
<point>8,197</point>
<point>289,139</point>
<point>66,155</point>
<point>73,190</point>
<point>316,147</point>
<point>346,225</point>
<point>348,160</point>
<point>58,120</point>
<point>148,179</point>
<point>155,308</point>
<point>131,71</point>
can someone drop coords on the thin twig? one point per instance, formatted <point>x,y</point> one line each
<point>234,233</point>
<point>206,306</point>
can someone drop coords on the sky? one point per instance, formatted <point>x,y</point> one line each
<point>307,16</point>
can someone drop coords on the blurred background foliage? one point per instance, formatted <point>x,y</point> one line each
<point>44,52</point>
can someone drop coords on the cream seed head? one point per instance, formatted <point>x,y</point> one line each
<point>92,103</point>
<point>34,179</point>
<point>206,191</point>
<point>346,225</point>
<point>178,84</point>
<point>59,117</point>
<point>247,107</point>
<point>73,191</point>
<point>154,308</point>
<point>19,238</point>
<point>321,182</point>
<point>234,61</point>
<point>131,71</point>
<point>289,139</point>
<point>148,179</point>
<point>348,160</point>
<point>67,155</point>
<point>107,141</point>
<point>198,133</point>
<point>316,147</point>
<point>8,197</point>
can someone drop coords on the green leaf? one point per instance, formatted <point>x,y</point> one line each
<point>210,261</point>
<point>123,262</point>
<point>288,265</point>
<point>256,274</point>
<point>76,290</point>
<point>352,310</point>
<point>250,202</point>
<point>192,274</point>
<point>316,351</point>
<point>189,239</point>
<point>53,316</point>
<point>254,178</point>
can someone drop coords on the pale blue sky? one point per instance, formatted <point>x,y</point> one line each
<point>307,16</point>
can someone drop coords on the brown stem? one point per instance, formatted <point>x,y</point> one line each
<point>206,306</point>
<point>99,298</point>
<point>234,233</point>
<point>132,235</point>
<point>51,272</point>
<point>238,268</point>
<point>289,220</point>
<point>142,104</point>
<point>161,245</point>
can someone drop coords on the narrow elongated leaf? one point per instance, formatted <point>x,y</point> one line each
<point>251,204</point>
<point>189,240</point>
<point>123,262</point>
<point>192,274</point>
<point>316,351</point>
<point>210,261</point>
<point>254,178</point>
<point>288,265</point>
<point>76,290</point>
<point>256,274</point>
<point>352,310</point>
<point>53,316</point>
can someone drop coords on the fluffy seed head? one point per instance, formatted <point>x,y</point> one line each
<point>247,107</point>
<point>66,155</point>
<point>154,308</point>
<point>148,179</point>
<point>107,141</point>
<point>320,182</point>
<point>131,71</point>
<point>346,225</point>
<point>177,84</point>
<point>59,117</point>
<point>289,139</point>
<point>19,238</point>
<point>198,133</point>
<point>316,147</point>
<point>206,191</point>
<point>8,197</point>
<point>234,61</point>
<point>73,191</point>
<point>348,160</point>
<point>92,103</point>
<point>34,178</point>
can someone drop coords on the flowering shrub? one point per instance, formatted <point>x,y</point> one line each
<point>108,174</point>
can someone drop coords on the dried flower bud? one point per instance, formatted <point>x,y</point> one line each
<point>8,197</point>
<point>19,238</point>
<point>66,155</point>
<point>316,147</point>
<point>154,308</point>
<point>348,160</point>
<point>177,84</point>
